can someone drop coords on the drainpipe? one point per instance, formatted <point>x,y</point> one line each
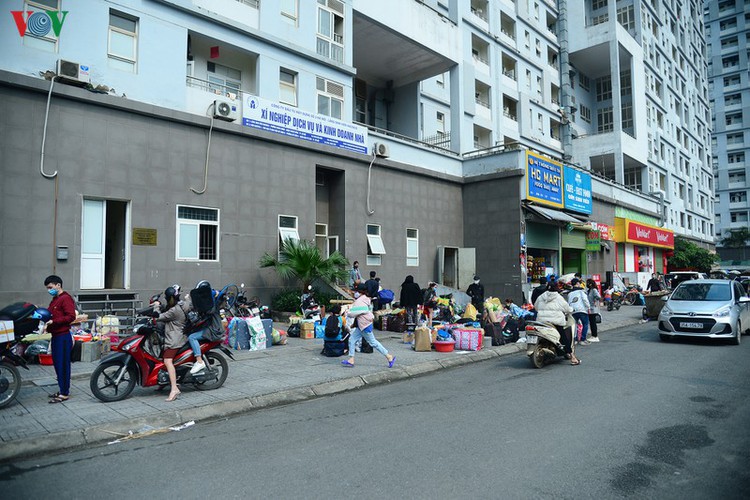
<point>565,87</point>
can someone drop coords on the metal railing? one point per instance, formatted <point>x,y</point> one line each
<point>223,90</point>
<point>250,3</point>
<point>408,139</point>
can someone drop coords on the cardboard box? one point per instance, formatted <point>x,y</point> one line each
<point>91,351</point>
<point>7,332</point>
<point>307,330</point>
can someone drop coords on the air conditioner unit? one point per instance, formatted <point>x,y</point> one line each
<point>225,109</point>
<point>73,72</point>
<point>381,150</point>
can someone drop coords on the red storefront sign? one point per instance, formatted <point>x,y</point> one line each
<point>644,234</point>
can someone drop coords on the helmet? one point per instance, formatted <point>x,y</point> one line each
<point>172,295</point>
<point>203,284</point>
<point>42,314</point>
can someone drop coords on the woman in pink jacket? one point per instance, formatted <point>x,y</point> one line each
<point>361,311</point>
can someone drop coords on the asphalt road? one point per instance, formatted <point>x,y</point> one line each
<point>639,418</point>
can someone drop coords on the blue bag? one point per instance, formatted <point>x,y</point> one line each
<point>385,296</point>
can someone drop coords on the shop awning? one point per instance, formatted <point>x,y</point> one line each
<point>550,214</point>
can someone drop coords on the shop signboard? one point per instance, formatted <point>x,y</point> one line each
<point>606,232</point>
<point>593,241</point>
<point>293,122</point>
<point>577,190</point>
<point>629,231</point>
<point>544,180</point>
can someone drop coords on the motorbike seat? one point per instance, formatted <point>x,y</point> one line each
<point>17,311</point>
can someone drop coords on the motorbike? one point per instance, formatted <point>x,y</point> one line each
<point>310,308</point>
<point>542,343</point>
<point>246,307</point>
<point>614,301</point>
<point>26,318</point>
<point>137,361</point>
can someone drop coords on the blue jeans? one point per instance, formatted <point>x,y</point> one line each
<point>369,337</point>
<point>584,319</point>
<point>194,339</point>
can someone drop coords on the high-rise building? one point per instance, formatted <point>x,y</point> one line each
<point>180,140</point>
<point>728,46</point>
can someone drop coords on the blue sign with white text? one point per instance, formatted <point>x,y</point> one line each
<point>577,190</point>
<point>544,180</point>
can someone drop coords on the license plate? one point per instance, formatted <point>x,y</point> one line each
<point>531,339</point>
<point>691,325</point>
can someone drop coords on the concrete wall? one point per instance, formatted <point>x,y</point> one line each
<point>105,147</point>
<point>492,205</point>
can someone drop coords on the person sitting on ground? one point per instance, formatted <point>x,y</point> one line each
<point>554,310</point>
<point>336,337</point>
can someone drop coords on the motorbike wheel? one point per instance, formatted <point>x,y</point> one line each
<point>215,362</point>
<point>610,306</point>
<point>10,383</point>
<point>629,299</point>
<point>537,358</point>
<point>618,306</point>
<point>103,385</point>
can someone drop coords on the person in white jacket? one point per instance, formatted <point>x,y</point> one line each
<point>552,308</point>
<point>579,302</point>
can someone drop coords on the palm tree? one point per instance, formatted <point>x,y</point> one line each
<point>736,238</point>
<point>301,259</point>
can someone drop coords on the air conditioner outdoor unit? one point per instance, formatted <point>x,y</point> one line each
<point>72,71</point>
<point>381,150</point>
<point>227,110</point>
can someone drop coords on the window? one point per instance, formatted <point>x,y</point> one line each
<point>289,9</point>
<point>440,118</point>
<point>627,116</point>
<point>287,230</point>
<point>737,138</point>
<point>330,98</point>
<point>197,233</point>
<point>321,239</point>
<point>625,83</point>
<point>605,120</point>
<point>735,158</point>
<point>737,196</point>
<point>47,41</point>
<point>734,118</point>
<point>375,247</point>
<point>223,80</point>
<point>626,17</point>
<point>122,41</point>
<point>287,87</point>
<point>584,81</point>
<point>738,216</point>
<point>330,40</point>
<point>598,4</point>
<point>604,88</point>
<point>732,99</point>
<point>736,176</point>
<point>412,247</point>
<point>585,113</point>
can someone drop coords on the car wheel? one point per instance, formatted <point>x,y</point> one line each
<point>738,334</point>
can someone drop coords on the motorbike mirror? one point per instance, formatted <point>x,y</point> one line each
<point>242,285</point>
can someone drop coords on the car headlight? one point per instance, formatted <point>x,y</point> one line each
<point>666,311</point>
<point>723,312</point>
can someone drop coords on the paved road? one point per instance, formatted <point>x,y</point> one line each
<point>639,418</point>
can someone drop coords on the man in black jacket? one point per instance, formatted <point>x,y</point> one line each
<point>476,292</point>
<point>410,299</point>
<point>372,287</point>
<point>539,290</point>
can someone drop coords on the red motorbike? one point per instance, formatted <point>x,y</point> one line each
<point>137,360</point>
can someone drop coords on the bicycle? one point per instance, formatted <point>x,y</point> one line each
<point>631,296</point>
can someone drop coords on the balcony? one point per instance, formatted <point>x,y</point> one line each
<point>241,11</point>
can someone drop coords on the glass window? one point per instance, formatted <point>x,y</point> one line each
<point>412,247</point>
<point>289,9</point>
<point>122,41</point>
<point>375,247</point>
<point>287,230</point>
<point>287,87</point>
<point>330,98</point>
<point>197,233</point>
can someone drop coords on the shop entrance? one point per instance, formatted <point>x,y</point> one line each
<point>574,261</point>
<point>104,245</point>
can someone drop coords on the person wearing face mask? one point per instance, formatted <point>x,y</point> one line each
<point>63,310</point>
<point>476,292</point>
<point>355,278</point>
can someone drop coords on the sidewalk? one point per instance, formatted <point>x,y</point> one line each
<point>257,379</point>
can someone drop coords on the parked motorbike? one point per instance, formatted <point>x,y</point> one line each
<point>542,343</point>
<point>615,301</point>
<point>26,318</point>
<point>137,360</point>
<point>246,307</point>
<point>310,308</point>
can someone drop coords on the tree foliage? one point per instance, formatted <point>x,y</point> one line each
<point>301,260</point>
<point>689,256</point>
<point>735,238</point>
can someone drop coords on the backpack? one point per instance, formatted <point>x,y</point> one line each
<point>204,314</point>
<point>386,296</point>
<point>333,328</point>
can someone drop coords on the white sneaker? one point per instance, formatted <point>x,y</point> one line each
<point>197,367</point>
<point>583,342</point>
<point>594,339</point>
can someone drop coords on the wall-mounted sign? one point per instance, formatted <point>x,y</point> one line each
<point>544,180</point>
<point>293,122</point>
<point>144,236</point>
<point>629,231</point>
<point>577,190</point>
<point>593,241</point>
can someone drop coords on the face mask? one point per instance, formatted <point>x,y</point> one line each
<point>52,291</point>
<point>356,295</point>
<point>476,282</point>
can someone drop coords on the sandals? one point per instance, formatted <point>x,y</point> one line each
<point>347,363</point>
<point>174,396</point>
<point>575,362</point>
<point>52,396</point>
<point>59,399</point>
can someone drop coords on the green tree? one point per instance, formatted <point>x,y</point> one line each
<point>301,259</point>
<point>688,255</point>
<point>736,238</point>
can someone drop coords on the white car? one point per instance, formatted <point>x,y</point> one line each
<point>717,309</point>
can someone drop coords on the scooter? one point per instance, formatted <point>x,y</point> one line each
<point>26,318</point>
<point>137,360</point>
<point>310,308</point>
<point>542,343</point>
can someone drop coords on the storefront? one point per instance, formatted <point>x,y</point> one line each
<point>641,249</point>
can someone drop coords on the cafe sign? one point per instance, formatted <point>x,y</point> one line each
<point>638,233</point>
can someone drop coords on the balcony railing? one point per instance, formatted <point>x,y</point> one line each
<point>223,90</point>
<point>250,3</point>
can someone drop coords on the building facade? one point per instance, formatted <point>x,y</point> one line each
<point>727,32</point>
<point>161,141</point>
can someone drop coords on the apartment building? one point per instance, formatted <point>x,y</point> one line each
<point>182,139</point>
<point>728,43</point>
